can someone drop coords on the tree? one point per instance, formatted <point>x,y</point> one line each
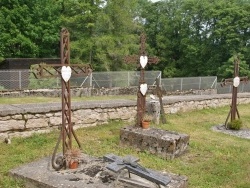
<point>29,28</point>
<point>227,69</point>
<point>194,38</point>
<point>102,32</point>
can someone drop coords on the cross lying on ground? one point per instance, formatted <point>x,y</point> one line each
<point>131,164</point>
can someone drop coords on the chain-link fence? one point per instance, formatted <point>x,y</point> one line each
<point>243,87</point>
<point>23,79</point>
<point>195,83</point>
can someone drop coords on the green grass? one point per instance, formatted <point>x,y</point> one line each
<point>214,160</point>
<point>24,100</point>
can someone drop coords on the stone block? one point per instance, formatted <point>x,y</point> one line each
<point>36,123</point>
<point>163,143</point>
<point>11,125</point>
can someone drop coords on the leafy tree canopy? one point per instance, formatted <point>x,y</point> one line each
<point>191,37</point>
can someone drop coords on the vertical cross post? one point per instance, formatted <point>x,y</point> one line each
<point>143,60</point>
<point>65,71</point>
<point>66,97</point>
<point>235,82</point>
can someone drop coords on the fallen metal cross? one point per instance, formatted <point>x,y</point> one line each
<point>235,82</point>
<point>65,70</point>
<point>130,163</point>
<point>143,60</point>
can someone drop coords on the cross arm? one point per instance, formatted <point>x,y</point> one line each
<point>153,60</point>
<point>229,81</point>
<point>131,59</point>
<point>43,70</point>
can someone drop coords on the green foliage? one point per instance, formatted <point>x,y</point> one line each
<point>194,37</point>
<point>191,37</point>
<point>235,124</point>
<point>29,28</point>
<point>227,69</point>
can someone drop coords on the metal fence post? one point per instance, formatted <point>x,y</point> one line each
<point>90,80</point>
<point>20,79</point>
<point>128,78</point>
<point>199,82</point>
<point>181,83</point>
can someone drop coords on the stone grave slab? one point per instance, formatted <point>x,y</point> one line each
<point>92,173</point>
<point>163,143</point>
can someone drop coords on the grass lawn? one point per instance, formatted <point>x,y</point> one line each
<point>214,160</point>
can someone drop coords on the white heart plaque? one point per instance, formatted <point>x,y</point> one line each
<point>236,81</point>
<point>143,61</point>
<point>143,88</point>
<point>66,73</point>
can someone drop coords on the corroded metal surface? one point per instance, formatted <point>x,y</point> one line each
<point>233,108</point>
<point>44,70</point>
<point>131,164</point>
<point>141,99</point>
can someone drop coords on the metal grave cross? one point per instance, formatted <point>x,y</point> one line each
<point>65,70</point>
<point>235,82</point>
<point>130,163</point>
<point>143,60</point>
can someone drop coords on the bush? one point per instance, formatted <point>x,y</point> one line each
<point>235,124</point>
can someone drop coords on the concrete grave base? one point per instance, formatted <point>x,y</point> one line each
<point>163,143</point>
<point>92,173</point>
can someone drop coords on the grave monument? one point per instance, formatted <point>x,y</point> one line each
<point>166,144</point>
<point>111,171</point>
<point>65,70</point>
<point>235,82</point>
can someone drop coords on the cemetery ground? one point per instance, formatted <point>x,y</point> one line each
<point>213,159</point>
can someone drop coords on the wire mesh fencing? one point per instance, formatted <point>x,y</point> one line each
<point>24,79</point>
<point>122,79</point>
<point>187,83</point>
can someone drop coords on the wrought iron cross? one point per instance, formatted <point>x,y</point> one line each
<point>235,82</point>
<point>143,61</point>
<point>64,69</point>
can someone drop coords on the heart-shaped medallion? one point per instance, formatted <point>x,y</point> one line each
<point>143,61</point>
<point>143,88</point>
<point>66,73</point>
<point>236,81</point>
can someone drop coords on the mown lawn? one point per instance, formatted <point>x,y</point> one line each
<point>214,160</point>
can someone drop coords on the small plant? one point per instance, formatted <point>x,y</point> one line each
<point>235,124</point>
<point>72,156</point>
<point>147,117</point>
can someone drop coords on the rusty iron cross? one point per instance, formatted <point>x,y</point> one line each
<point>143,61</point>
<point>235,82</point>
<point>53,70</point>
